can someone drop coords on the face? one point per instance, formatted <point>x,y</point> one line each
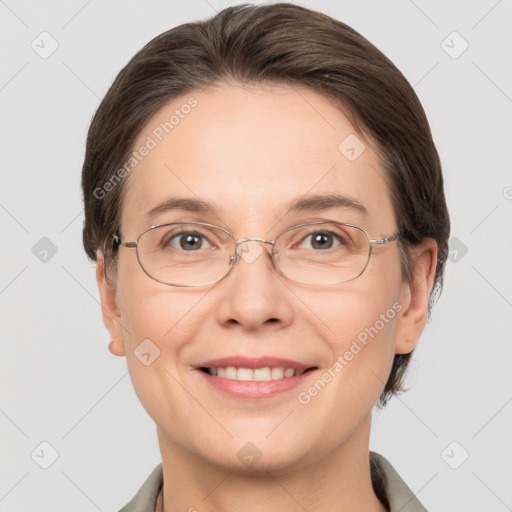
<point>250,153</point>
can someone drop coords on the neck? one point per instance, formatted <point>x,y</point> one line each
<point>340,480</point>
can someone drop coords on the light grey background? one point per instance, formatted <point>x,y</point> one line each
<point>60,385</point>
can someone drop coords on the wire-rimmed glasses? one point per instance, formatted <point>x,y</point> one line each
<point>198,253</point>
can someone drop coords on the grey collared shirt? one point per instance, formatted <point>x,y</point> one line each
<point>388,485</point>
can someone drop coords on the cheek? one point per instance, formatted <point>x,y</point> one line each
<point>364,335</point>
<point>362,319</point>
<point>365,308</point>
<point>151,310</point>
<point>360,338</point>
<point>156,321</point>
<point>362,350</point>
<point>158,325</point>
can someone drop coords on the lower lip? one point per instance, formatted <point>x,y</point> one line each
<point>255,389</point>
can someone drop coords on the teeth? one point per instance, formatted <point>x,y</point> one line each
<point>262,374</point>
<point>230,373</point>
<point>277,373</point>
<point>289,372</point>
<point>241,374</point>
<point>258,374</point>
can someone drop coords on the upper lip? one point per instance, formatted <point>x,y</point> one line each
<point>253,362</point>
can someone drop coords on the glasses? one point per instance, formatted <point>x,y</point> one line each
<point>197,253</point>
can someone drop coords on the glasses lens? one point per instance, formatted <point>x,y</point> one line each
<point>323,253</point>
<point>185,254</point>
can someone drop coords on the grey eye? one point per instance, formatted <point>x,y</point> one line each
<point>188,241</point>
<point>321,240</point>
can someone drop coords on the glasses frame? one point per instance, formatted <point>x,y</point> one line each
<point>117,242</point>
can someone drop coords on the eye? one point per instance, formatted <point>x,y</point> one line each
<point>187,241</point>
<point>321,240</point>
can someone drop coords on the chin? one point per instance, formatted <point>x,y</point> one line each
<point>254,454</point>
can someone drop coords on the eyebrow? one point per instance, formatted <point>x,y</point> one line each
<point>310,203</point>
<point>319,202</point>
<point>181,204</point>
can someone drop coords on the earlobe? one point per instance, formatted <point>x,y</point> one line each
<point>116,348</point>
<point>110,312</point>
<point>415,296</point>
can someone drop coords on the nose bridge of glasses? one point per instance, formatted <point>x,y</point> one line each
<point>253,238</point>
<point>248,253</point>
<point>240,248</point>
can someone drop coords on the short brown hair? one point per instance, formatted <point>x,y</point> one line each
<point>283,44</point>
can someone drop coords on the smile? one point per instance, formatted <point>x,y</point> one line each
<point>253,374</point>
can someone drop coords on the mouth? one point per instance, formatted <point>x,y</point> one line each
<point>262,374</point>
<point>250,378</point>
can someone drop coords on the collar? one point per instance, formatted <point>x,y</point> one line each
<point>387,484</point>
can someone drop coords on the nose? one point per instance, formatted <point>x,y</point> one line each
<point>254,294</point>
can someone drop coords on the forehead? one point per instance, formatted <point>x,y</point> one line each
<point>250,151</point>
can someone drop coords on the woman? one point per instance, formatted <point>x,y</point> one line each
<point>265,205</point>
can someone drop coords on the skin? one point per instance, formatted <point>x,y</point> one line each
<point>229,151</point>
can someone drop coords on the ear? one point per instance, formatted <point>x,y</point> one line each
<point>415,296</point>
<point>110,312</point>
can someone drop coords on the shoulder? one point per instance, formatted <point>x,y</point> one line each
<point>390,488</point>
<point>145,499</point>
